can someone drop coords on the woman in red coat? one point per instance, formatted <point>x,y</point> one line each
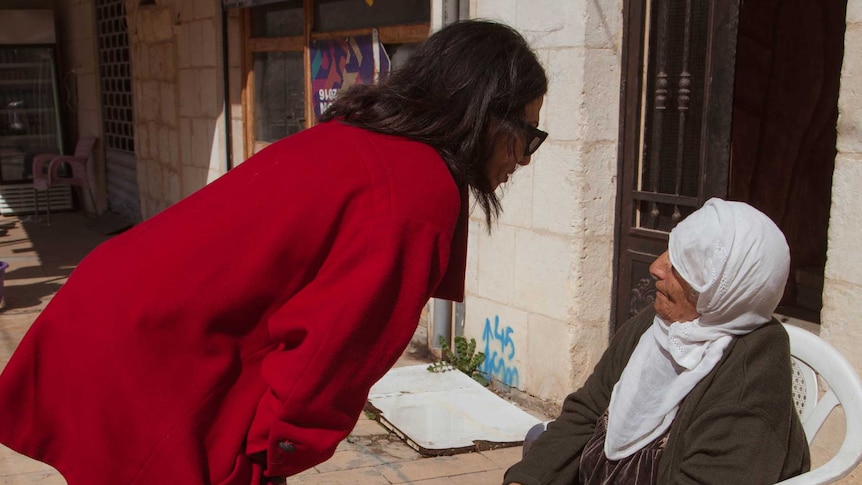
<point>234,337</point>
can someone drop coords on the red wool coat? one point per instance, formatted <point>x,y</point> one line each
<point>243,327</point>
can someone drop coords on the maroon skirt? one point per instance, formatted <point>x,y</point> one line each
<point>639,468</point>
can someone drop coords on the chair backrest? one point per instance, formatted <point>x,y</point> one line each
<point>812,357</point>
<point>84,147</point>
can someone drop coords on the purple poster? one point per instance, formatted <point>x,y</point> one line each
<point>337,64</point>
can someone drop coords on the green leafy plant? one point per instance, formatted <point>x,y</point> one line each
<point>464,358</point>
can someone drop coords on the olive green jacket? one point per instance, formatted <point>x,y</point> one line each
<point>737,426</point>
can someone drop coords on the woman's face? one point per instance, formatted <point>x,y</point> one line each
<point>507,158</point>
<point>671,292</point>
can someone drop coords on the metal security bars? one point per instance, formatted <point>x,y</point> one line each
<point>679,61</point>
<point>115,75</point>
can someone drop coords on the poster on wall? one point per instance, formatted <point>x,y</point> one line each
<point>337,64</point>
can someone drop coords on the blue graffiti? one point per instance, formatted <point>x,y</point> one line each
<point>498,364</point>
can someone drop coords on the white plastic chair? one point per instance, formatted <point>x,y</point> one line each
<point>813,356</point>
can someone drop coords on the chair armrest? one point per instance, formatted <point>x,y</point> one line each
<point>39,162</point>
<point>78,169</point>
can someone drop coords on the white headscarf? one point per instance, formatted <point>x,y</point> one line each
<point>737,259</point>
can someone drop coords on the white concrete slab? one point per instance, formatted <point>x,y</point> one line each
<point>446,413</point>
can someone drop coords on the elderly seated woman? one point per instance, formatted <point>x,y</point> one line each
<point>696,389</point>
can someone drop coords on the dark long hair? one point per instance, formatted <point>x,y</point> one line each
<point>459,92</point>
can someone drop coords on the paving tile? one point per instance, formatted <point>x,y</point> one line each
<point>34,478</point>
<point>438,467</point>
<point>12,464</point>
<point>439,481</point>
<point>363,476</point>
<point>490,477</point>
<point>504,457</point>
<point>347,460</point>
<point>368,427</point>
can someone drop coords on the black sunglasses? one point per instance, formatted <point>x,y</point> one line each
<point>535,137</point>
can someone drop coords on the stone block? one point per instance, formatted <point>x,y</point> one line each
<point>564,106</point>
<point>556,188</point>
<point>601,95</point>
<point>209,85</point>
<point>142,141</point>
<point>185,11</point>
<point>189,93</point>
<point>143,20</point>
<point>496,277</point>
<point>850,95</point>
<point>516,197</point>
<point>157,60</point>
<point>163,25</point>
<point>168,104</point>
<point>211,37</point>
<point>201,143</point>
<point>854,12</point>
<point>163,157</point>
<point>597,182</point>
<point>193,179</point>
<point>603,24</point>
<point>501,10</point>
<point>174,140</point>
<point>840,317</point>
<point>592,279</point>
<point>205,9</point>
<point>552,23</point>
<point>471,280</point>
<point>154,181</point>
<point>186,152</point>
<point>547,366</point>
<point>197,40</point>
<point>153,130</point>
<point>845,225</point>
<point>184,46</point>
<point>173,193</point>
<point>589,341</point>
<point>140,65</point>
<point>151,100</point>
<point>169,54</point>
<point>542,271</point>
<point>501,333</point>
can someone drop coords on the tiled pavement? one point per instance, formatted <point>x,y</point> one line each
<point>40,259</point>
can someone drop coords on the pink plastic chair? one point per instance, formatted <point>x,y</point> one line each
<point>78,164</point>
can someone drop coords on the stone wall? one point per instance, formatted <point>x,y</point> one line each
<point>842,311</point>
<point>177,67</point>
<point>538,288</point>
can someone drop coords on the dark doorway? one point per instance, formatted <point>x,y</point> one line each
<point>785,109</point>
<point>733,99</point>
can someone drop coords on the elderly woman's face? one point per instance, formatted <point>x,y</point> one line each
<point>672,294</point>
<point>506,159</point>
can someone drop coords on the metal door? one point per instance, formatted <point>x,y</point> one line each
<point>677,98</point>
<point>117,113</point>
